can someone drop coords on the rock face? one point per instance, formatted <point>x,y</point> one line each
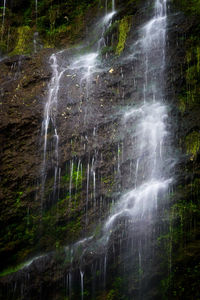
<point>95,156</point>
<point>183,76</point>
<point>23,87</point>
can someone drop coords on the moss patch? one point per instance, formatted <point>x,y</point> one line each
<point>12,270</point>
<point>124,28</point>
<point>193,143</point>
<point>190,94</point>
<point>24,41</point>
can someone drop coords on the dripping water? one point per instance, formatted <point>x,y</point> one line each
<point>82,284</point>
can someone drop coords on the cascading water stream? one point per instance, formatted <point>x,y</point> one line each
<point>151,128</point>
<point>86,64</point>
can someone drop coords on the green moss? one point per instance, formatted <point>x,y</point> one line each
<point>192,143</point>
<point>18,200</point>
<point>111,28</point>
<point>11,270</point>
<point>62,222</point>
<point>75,175</point>
<point>111,295</point>
<point>24,41</point>
<point>182,104</point>
<point>189,56</point>
<point>191,92</point>
<point>3,46</point>
<point>124,28</point>
<point>107,49</point>
<point>191,75</point>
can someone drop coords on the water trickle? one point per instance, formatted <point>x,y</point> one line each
<point>81,175</point>
<point>136,172</point>
<point>68,284</point>
<point>82,284</point>
<point>36,10</point>
<point>56,138</point>
<point>113,5</point>
<point>49,120</point>
<point>94,180</point>
<point>71,178</point>
<point>104,270</point>
<point>87,199</point>
<point>59,177</point>
<point>122,74</point>
<point>118,158</point>
<point>106,6</point>
<point>77,175</point>
<point>35,42</point>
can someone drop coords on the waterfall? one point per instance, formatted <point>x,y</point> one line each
<point>151,116</point>
<point>148,163</point>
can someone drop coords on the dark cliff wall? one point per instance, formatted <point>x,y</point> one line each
<point>26,231</point>
<point>184,95</point>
